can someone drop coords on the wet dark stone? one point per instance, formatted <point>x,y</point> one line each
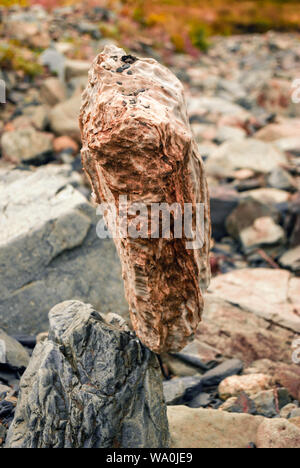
<point>221,206</point>
<point>201,401</point>
<point>215,376</point>
<point>26,340</point>
<point>192,360</point>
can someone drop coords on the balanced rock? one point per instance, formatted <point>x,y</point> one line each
<point>92,384</point>
<point>137,143</point>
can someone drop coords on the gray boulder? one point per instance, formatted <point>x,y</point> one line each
<point>91,384</point>
<point>49,249</point>
<point>12,352</point>
<point>27,145</point>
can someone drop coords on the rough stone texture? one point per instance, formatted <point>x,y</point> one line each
<point>271,294</point>
<point>278,433</point>
<point>49,250</point>
<point>90,385</point>
<point>137,142</point>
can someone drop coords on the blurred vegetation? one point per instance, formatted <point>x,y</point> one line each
<point>9,3</point>
<point>188,24</point>
<point>13,56</point>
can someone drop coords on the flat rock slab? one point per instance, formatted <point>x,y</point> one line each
<point>49,250</point>
<point>271,294</point>
<point>206,428</point>
<point>27,145</point>
<point>249,153</point>
<point>91,384</point>
<point>234,332</point>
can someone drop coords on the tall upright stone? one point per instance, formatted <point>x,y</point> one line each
<point>91,384</point>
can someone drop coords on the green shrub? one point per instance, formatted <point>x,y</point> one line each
<point>199,36</point>
<point>14,58</point>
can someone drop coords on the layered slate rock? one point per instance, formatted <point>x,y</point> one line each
<point>137,142</point>
<point>49,249</point>
<point>91,384</point>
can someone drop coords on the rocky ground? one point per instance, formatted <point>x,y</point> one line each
<point>240,378</point>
